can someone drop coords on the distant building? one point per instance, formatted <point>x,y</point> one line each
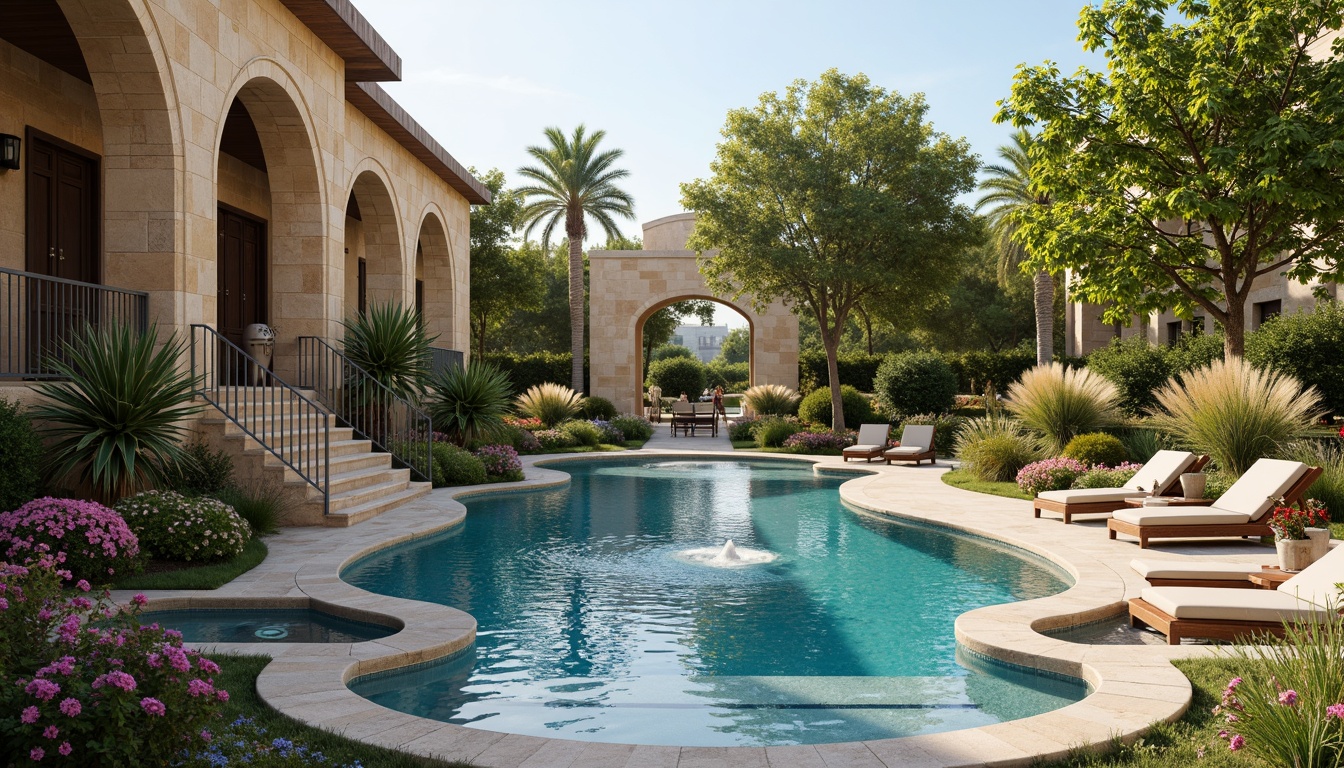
<point>704,340</point>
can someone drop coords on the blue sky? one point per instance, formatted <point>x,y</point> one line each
<point>485,78</point>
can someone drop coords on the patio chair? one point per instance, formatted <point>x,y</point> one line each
<point>1239,512</point>
<point>683,417</point>
<point>1224,614</point>
<point>872,442</point>
<point>916,445</point>
<point>704,416</point>
<point>1194,573</point>
<point>1157,476</point>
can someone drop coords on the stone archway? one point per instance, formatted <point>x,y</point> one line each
<point>373,232</point>
<point>627,287</point>
<point>434,267</point>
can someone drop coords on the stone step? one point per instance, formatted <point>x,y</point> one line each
<point>363,478</point>
<point>354,497</point>
<point>377,506</point>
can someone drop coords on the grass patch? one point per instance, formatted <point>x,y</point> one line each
<point>747,445</point>
<point>186,576</point>
<point>958,478</point>
<point>635,445</point>
<point>601,448</point>
<point>238,675</point>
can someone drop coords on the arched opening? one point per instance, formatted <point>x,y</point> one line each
<point>705,342</point>
<point>375,264</point>
<point>434,281</point>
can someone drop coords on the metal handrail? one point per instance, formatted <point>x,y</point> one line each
<point>255,399</point>
<point>441,358</point>
<point>388,420</point>
<point>39,313</point>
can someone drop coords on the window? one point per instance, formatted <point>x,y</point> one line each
<point>1197,326</point>
<point>1174,332</point>
<point>1264,310</point>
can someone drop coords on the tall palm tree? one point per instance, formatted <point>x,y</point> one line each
<point>573,182</point>
<point>1007,191</point>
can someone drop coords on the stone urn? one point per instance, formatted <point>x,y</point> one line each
<point>1294,554</point>
<point>1192,485</point>
<point>1320,542</point>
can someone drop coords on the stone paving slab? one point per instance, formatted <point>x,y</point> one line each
<point>1132,686</point>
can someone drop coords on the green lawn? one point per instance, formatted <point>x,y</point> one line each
<point>600,448</point>
<point>212,576</point>
<point>962,479</point>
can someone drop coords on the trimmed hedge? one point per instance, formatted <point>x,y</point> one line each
<point>527,371</point>
<point>816,407</point>
<point>915,382</point>
<point>20,455</point>
<point>856,370</point>
<point>973,369</point>
<point>678,375</point>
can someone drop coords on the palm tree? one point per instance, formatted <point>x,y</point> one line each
<point>1008,190</point>
<point>572,183</point>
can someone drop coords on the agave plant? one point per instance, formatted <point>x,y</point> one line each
<point>1236,412</point>
<point>117,420</point>
<point>469,403</point>
<point>390,343</point>
<point>552,403</point>
<point>771,400</point>
<point>1062,403</point>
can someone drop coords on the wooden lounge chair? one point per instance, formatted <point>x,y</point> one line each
<point>704,418</point>
<point>871,443</point>
<point>1159,475</point>
<point>683,417</point>
<point>1225,614</point>
<point>1239,512</point>
<point>916,445</point>
<point>1192,573</point>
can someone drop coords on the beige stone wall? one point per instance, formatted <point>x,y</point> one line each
<point>244,187</point>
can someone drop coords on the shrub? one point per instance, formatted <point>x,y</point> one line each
<point>1097,448</point>
<point>390,343</point>
<point>1136,368</point>
<point>260,504</point>
<point>244,742</point>
<point>171,526</point>
<point>65,699</point>
<point>1329,487</point>
<point>595,408</point>
<point>826,443</point>
<point>1049,475</point>
<point>20,455</point>
<point>1142,443</point>
<point>915,382</point>
<point>856,369</point>
<point>633,427</point>
<point>201,471</point>
<point>670,352</point>
<point>85,537</point>
<point>455,466</point>
<point>523,441</point>
<point>1062,403</point>
<point>526,422</point>
<point>528,370</point>
<point>677,376</point>
<point>945,429</point>
<point>733,377</point>
<point>772,432</point>
<point>1235,412</point>
<point>469,403</point>
<point>1107,477</point>
<point>995,449</point>
<point>976,370</point>
<point>549,403</point>
<point>118,419</point>
<point>610,435</point>
<point>501,462</point>
<point>583,432</point>
<point>1196,350</point>
<point>1308,346</point>
<point>771,400</point>
<point>740,429</point>
<point>816,407</point>
<point>554,439</point>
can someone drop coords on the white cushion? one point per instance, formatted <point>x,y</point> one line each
<point>873,434</point>
<point>905,450</point>
<point>1193,569</point>
<point>917,436</point>
<point>1316,583</point>
<point>1092,495</point>
<point>1163,469</point>
<point>1180,516</point>
<point>863,449</point>
<point>1230,604</point>
<point>1254,493</point>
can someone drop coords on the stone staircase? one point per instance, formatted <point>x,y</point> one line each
<point>363,482</point>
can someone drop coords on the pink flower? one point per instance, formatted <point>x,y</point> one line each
<point>83,585</point>
<point>1335,711</point>
<point>139,599</point>
<point>29,715</point>
<point>153,706</point>
<point>65,748</point>
<point>1288,698</point>
<point>37,754</point>
<point>197,687</point>
<point>206,736</point>
<point>207,666</point>
<point>51,732</point>
<point>44,690</point>
<point>116,679</point>
<point>1237,742</point>
<point>222,695</point>
<point>71,707</point>
<point>1233,683</point>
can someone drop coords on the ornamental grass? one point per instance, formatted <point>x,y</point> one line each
<point>1062,403</point>
<point>995,448</point>
<point>771,400</point>
<point>1236,413</point>
<point>552,403</point>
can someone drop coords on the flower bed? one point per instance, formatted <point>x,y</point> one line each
<point>84,537</point>
<point>819,442</point>
<point>501,463</point>
<point>1049,475</point>
<point>171,526</point>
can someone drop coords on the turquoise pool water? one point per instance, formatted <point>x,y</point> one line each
<point>264,625</point>
<point>594,626</point>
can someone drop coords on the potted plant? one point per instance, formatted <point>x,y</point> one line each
<point>1320,534</point>
<point>1290,526</point>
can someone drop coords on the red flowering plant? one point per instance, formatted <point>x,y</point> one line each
<point>82,683</point>
<point>1290,523</point>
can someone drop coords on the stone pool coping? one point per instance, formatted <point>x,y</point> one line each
<point>1133,686</point>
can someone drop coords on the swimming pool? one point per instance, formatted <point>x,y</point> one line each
<point>595,624</point>
<point>264,625</point>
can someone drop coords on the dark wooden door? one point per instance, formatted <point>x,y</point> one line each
<point>242,274</point>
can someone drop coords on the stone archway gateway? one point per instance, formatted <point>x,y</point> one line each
<point>626,287</point>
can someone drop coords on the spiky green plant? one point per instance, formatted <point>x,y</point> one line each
<point>1062,403</point>
<point>470,403</point>
<point>994,448</point>
<point>390,343</point>
<point>116,422</point>
<point>552,403</point>
<point>1235,412</point>
<point>1329,487</point>
<point>771,400</point>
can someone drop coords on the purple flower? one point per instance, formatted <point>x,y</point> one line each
<point>116,679</point>
<point>51,732</point>
<point>83,585</point>
<point>153,706</point>
<point>1237,742</point>
<point>65,748</point>
<point>29,715</point>
<point>139,599</point>
<point>197,687</point>
<point>1335,710</point>
<point>1288,698</point>
<point>71,707</point>
<point>45,690</point>
<point>36,754</point>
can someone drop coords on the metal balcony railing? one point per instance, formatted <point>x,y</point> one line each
<point>440,358</point>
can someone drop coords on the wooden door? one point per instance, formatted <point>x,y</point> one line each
<point>242,274</point>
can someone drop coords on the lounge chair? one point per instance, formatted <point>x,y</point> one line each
<point>1239,512</point>
<point>1158,475</point>
<point>1192,573</point>
<point>916,445</point>
<point>683,417</point>
<point>872,442</point>
<point>1225,614</point>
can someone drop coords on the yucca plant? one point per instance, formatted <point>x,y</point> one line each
<point>390,343</point>
<point>1062,403</point>
<point>469,403</point>
<point>1235,412</point>
<point>552,403</point>
<point>994,448</point>
<point>771,400</point>
<point>116,422</point>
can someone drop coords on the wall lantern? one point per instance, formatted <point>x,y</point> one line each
<point>9,151</point>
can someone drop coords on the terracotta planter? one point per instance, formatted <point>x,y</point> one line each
<point>1192,485</point>
<point>1320,542</point>
<point>1294,554</point>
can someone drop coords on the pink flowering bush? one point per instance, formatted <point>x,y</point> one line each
<point>176,527</point>
<point>819,442</point>
<point>84,537</point>
<point>551,439</point>
<point>1102,476</point>
<point>1049,475</point>
<point>78,693</point>
<point>501,462</point>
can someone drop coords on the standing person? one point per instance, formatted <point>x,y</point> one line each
<point>718,404</point>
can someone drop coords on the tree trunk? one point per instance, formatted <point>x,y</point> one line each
<point>832,346</point>
<point>1045,316</point>
<point>576,310</point>
<point>1234,330</point>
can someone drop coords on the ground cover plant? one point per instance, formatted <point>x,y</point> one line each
<point>967,480</point>
<point>160,575</point>
<point>1049,475</point>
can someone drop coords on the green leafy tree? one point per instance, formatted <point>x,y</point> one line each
<point>543,327</point>
<point>662,325</point>
<point>1007,193</point>
<point>1209,154</point>
<point>736,347</point>
<point>504,279</point>
<point>834,194</point>
<point>574,182</point>
<point>982,312</point>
